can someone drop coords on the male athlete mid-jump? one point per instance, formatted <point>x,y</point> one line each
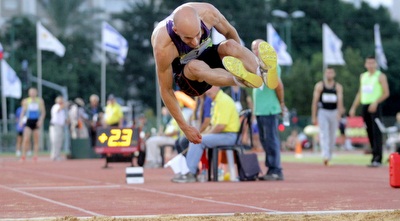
<point>183,51</point>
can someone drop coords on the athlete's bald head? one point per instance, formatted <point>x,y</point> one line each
<point>187,25</point>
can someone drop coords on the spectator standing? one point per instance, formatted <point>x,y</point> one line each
<point>326,110</point>
<point>78,119</point>
<point>57,127</point>
<point>95,112</point>
<point>34,110</point>
<point>373,90</point>
<point>268,105</point>
<point>113,116</point>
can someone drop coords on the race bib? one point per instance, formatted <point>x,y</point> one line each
<point>329,98</point>
<point>33,107</point>
<point>195,53</point>
<point>367,89</point>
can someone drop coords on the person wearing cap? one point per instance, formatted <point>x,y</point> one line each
<point>113,115</point>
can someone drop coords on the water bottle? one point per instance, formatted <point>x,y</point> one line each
<point>286,117</point>
<point>203,176</point>
<point>221,174</point>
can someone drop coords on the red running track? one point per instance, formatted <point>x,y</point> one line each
<point>82,188</point>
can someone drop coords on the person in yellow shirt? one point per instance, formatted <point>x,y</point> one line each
<point>223,131</point>
<point>113,116</point>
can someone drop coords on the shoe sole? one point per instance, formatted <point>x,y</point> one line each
<point>237,69</point>
<point>267,55</point>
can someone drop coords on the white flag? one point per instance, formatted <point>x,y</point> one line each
<point>10,83</point>
<point>280,47</point>
<point>331,47</point>
<point>379,54</point>
<point>112,41</point>
<point>46,41</point>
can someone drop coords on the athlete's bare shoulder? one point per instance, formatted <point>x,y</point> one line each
<point>164,49</point>
<point>207,12</point>
<point>160,35</point>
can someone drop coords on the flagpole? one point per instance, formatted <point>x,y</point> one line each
<point>323,52</point>
<point>103,77</point>
<point>39,78</point>
<point>39,61</point>
<point>3,103</point>
<point>39,70</point>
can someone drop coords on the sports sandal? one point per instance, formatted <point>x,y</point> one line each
<point>236,68</point>
<point>267,56</point>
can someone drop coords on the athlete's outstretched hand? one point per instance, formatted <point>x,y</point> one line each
<point>192,134</point>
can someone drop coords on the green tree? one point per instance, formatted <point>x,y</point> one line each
<point>67,17</point>
<point>355,28</point>
<point>139,71</point>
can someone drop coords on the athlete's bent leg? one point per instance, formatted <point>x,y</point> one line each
<point>197,70</point>
<point>234,49</point>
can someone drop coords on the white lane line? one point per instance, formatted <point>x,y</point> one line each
<point>68,187</point>
<point>221,214</point>
<point>327,212</point>
<point>202,199</point>
<point>51,201</point>
<point>161,192</point>
<point>54,175</point>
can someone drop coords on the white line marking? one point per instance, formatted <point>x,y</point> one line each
<point>261,213</point>
<point>223,214</point>
<point>54,175</point>
<point>51,201</point>
<point>67,187</point>
<point>201,199</point>
<point>267,211</point>
<point>160,192</point>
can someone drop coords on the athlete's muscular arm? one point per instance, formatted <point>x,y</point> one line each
<point>356,102</point>
<point>42,113</point>
<point>317,93</point>
<point>212,17</point>
<point>164,53</point>
<point>383,81</point>
<point>23,112</point>
<point>280,94</point>
<point>339,91</point>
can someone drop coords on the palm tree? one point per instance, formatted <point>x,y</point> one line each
<point>69,18</point>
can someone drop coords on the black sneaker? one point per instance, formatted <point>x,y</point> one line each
<point>271,177</point>
<point>374,164</point>
<point>185,178</point>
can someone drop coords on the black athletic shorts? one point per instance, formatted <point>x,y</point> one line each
<point>195,88</point>
<point>32,123</point>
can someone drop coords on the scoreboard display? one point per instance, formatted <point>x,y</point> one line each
<point>117,140</point>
